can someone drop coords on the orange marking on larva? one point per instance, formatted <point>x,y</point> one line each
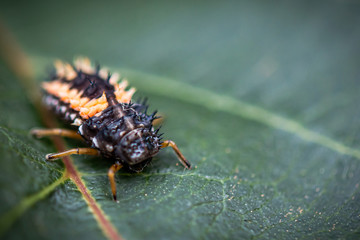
<point>84,112</point>
<point>67,95</point>
<point>79,102</point>
<point>64,70</point>
<point>75,99</point>
<point>59,66</point>
<point>103,73</point>
<point>74,104</point>
<point>95,109</point>
<point>96,101</point>
<point>114,79</point>
<point>55,88</point>
<point>69,72</point>
<point>97,105</point>
<point>122,85</point>
<point>83,101</point>
<point>129,93</point>
<point>73,94</point>
<point>63,93</point>
<point>120,93</point>
<point>86,107</point>
<point>84,64</point>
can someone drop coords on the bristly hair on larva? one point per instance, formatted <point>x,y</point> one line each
<point>110,123</point>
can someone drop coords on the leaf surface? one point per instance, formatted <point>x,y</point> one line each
<point>261,98</point>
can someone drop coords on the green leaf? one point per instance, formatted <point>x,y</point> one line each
<point>262,98</point>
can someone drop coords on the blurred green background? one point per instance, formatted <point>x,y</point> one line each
<point>296,59</point>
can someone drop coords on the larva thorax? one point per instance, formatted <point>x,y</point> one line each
<point>124,134</point>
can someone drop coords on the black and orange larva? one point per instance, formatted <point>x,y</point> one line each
<point>109,122</point>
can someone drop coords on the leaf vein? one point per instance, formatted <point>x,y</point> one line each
<point>7,219</point>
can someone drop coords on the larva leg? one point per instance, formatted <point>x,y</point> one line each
<point>37,132</point>
<point>111,173</point>
<point>182,159</point>
<point>76,151</point>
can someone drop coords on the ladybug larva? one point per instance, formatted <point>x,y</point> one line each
<point>113,126</point>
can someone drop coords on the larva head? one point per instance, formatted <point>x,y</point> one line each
<point>137,146</point>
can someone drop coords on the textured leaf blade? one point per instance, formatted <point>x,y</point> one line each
<point>251,179</point>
